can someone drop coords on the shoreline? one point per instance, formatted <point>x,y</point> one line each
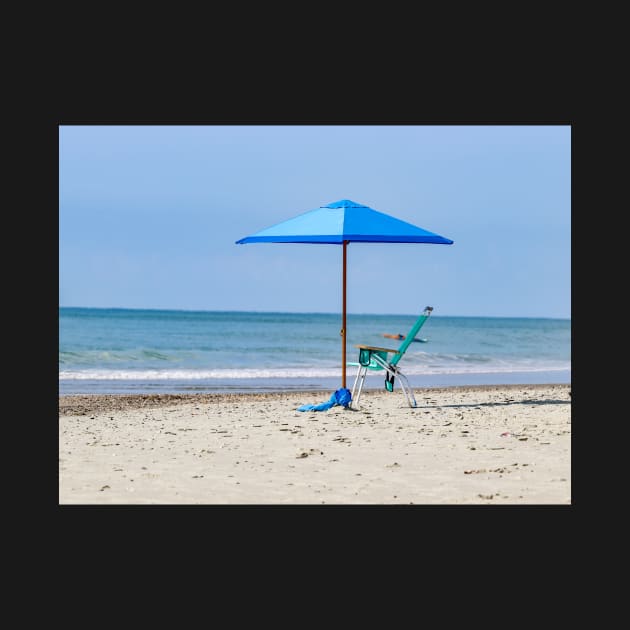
<point>480,444</point>
<point>72,387</point>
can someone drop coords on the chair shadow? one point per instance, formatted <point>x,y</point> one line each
<point>500,404</point>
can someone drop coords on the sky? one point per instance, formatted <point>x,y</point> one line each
<point>149,216</point>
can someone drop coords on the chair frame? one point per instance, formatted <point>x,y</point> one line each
<point>375,358</point>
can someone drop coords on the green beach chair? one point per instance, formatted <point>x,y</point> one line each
<point>375,358</point>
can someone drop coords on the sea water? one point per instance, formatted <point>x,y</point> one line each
<point>168,351</point>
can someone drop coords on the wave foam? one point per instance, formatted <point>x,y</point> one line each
<point>296,372</point>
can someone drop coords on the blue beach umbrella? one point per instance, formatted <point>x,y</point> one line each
<point>340,223</point>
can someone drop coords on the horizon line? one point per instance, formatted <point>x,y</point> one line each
<point>336,313</point>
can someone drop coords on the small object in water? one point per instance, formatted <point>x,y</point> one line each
<point>399,336</point>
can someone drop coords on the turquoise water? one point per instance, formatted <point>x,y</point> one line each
<point>128,350</point>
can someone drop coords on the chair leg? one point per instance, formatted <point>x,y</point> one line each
<point>361,373</point>
<point>404,384</point>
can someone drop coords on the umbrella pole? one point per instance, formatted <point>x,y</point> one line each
<point>343,320</point>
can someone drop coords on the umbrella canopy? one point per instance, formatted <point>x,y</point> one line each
<point>340,223</point>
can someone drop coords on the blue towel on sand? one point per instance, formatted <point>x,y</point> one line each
<point>340,397</point>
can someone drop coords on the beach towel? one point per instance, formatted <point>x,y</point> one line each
<point>341,397</point>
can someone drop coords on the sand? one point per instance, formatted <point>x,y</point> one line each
<point>506,444</point>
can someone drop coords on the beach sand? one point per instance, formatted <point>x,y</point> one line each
<point>505,444</point>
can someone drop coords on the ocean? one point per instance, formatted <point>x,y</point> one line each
<point>124,351</point>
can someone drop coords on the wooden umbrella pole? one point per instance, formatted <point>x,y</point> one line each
<point>343,320</point>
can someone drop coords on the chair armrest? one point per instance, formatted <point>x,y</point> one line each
<point>377,348</point>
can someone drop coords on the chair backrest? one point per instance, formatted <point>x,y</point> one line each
<point>411,335</point>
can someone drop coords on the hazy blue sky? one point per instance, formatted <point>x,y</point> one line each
<point>148,217</point>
